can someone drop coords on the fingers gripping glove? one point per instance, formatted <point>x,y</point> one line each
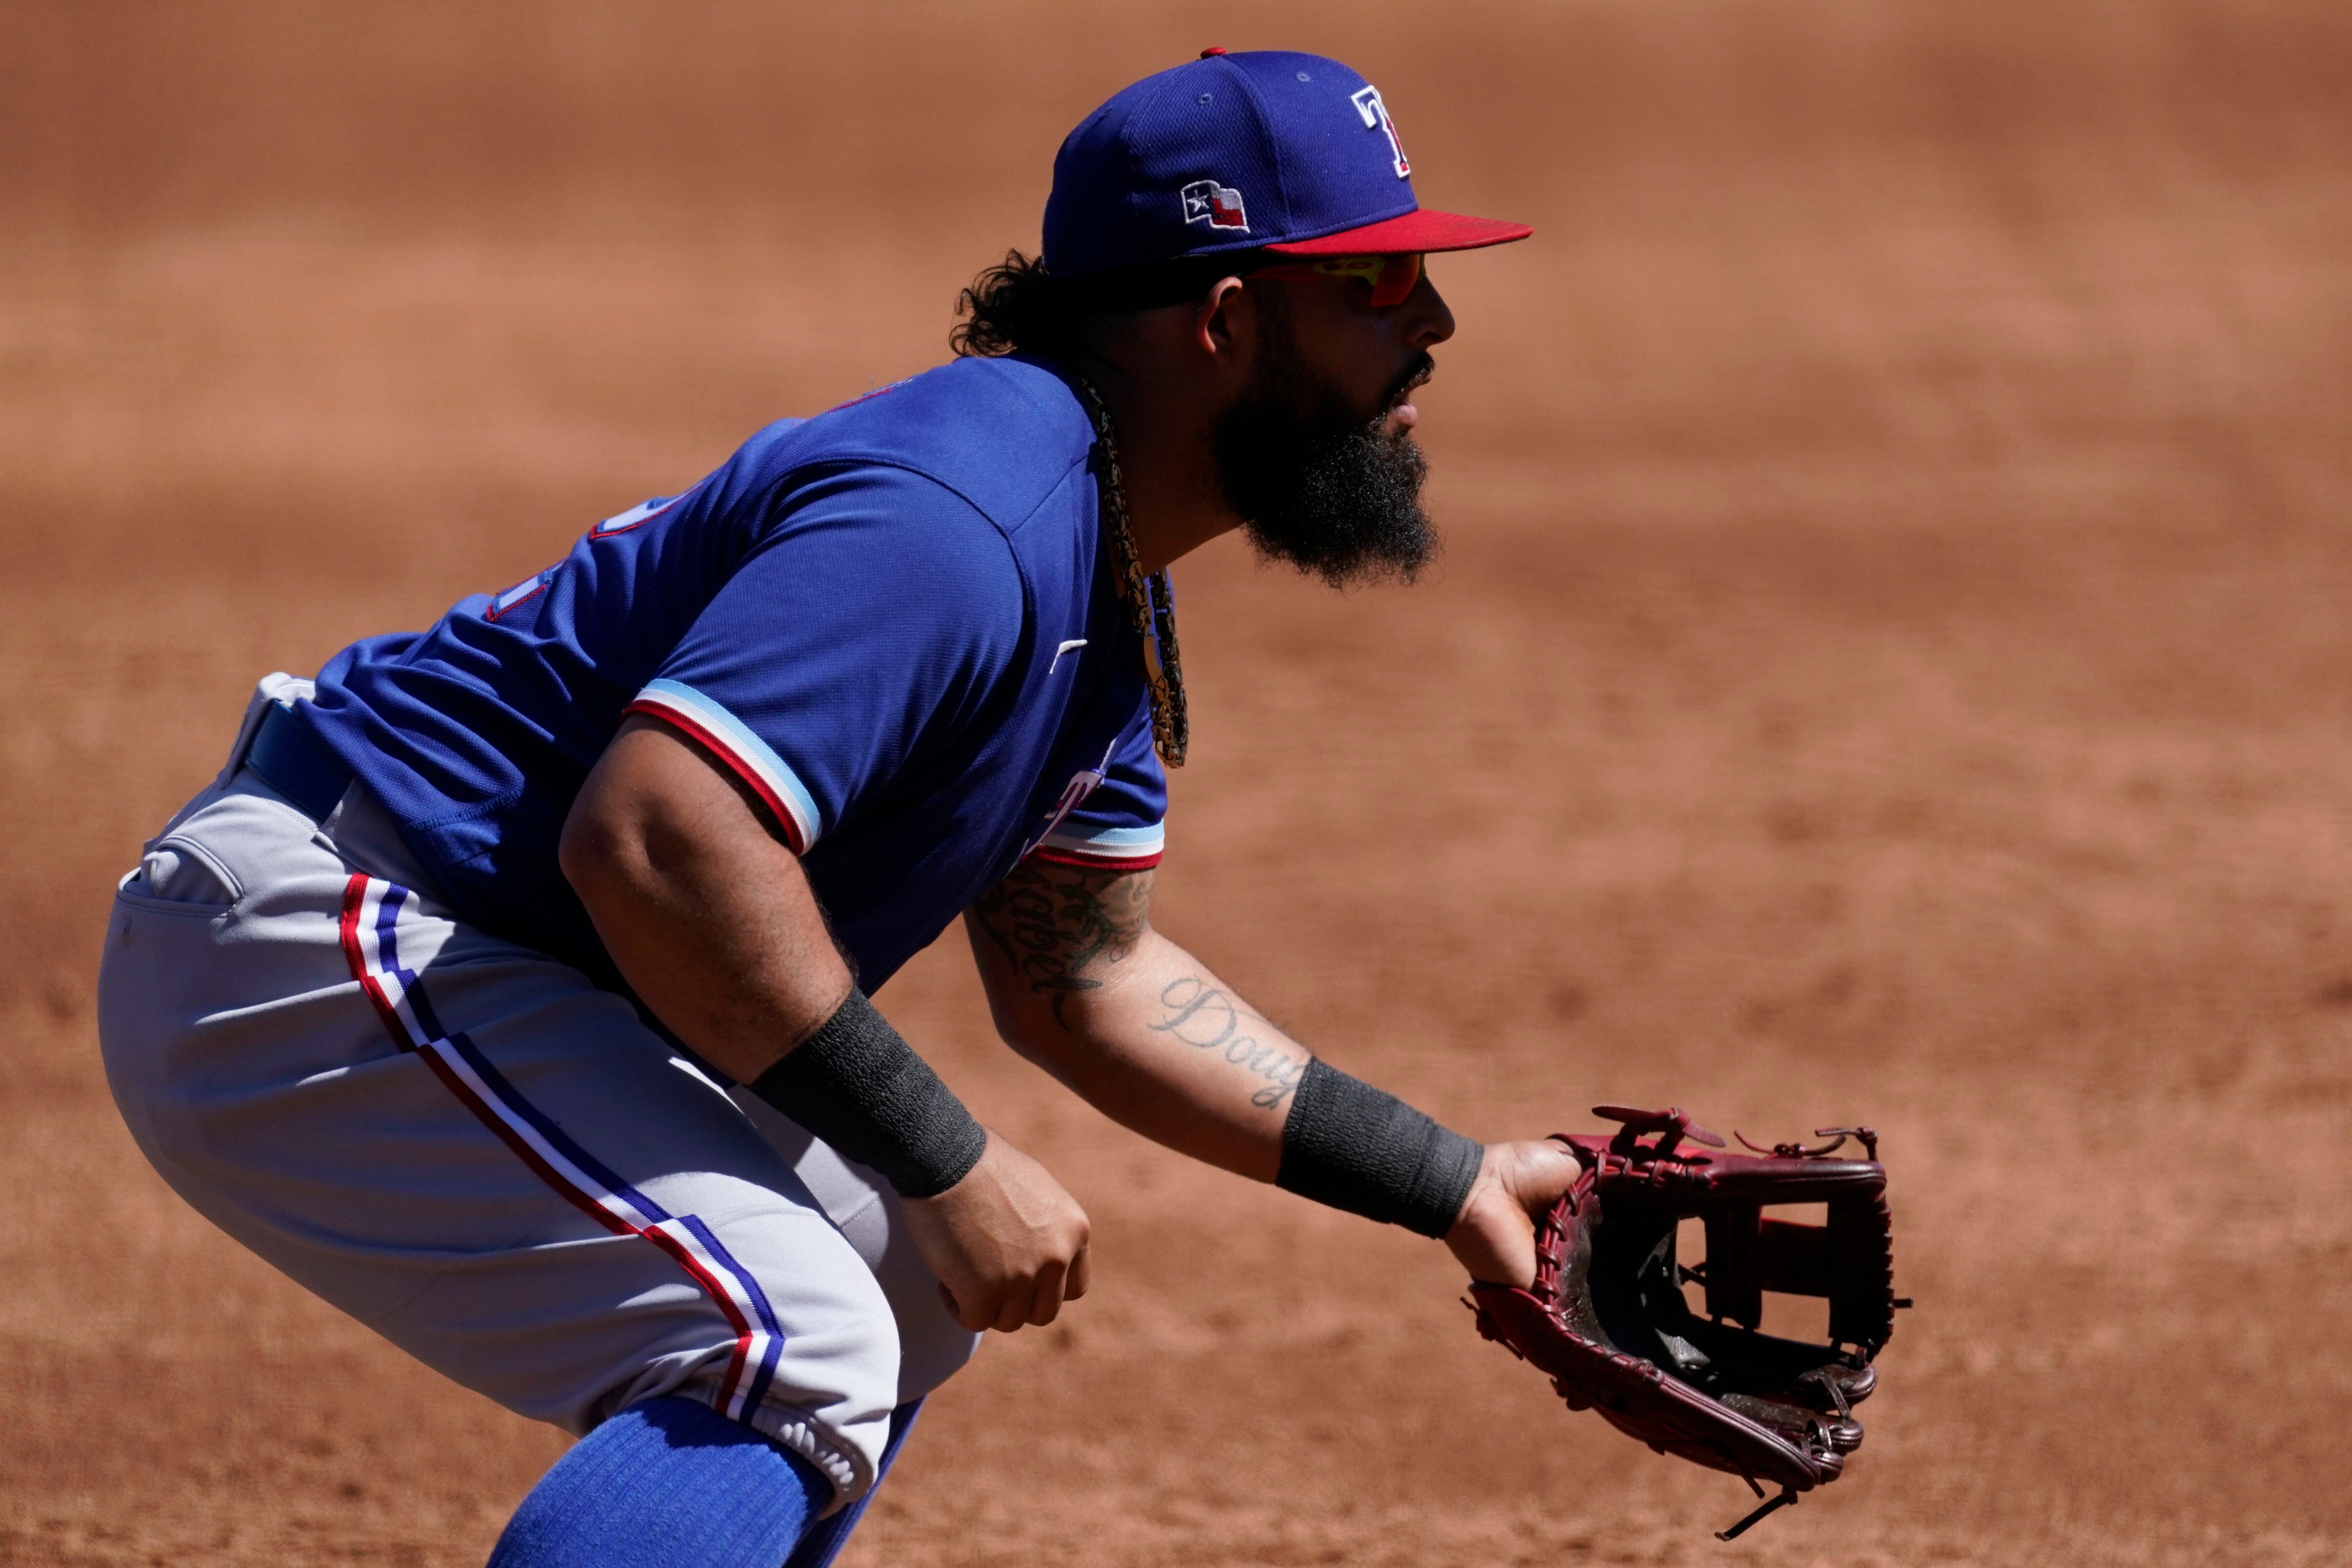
<point>1608,1320</point>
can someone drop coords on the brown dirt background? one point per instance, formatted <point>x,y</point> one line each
<point>1891,661</point>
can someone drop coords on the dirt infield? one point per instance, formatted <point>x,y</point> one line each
<point>1891,661</point>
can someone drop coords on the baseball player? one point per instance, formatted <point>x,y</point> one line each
<point>509,986</point>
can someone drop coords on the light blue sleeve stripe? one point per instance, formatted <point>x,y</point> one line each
<point>1116,838</point>
<point>753,751</point>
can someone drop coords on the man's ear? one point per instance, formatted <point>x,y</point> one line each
<point>1224,324</point>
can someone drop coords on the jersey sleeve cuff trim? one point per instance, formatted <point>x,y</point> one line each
<point>751,758</point>
<point>1126,849</point>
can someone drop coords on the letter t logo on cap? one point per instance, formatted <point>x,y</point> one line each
<point>1367,99</point>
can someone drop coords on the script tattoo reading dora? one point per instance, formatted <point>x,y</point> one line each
<point>1057,922</point>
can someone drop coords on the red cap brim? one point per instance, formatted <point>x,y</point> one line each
<point>1421,231</point>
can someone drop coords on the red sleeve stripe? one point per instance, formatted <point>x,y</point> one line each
<point>1054,855</point>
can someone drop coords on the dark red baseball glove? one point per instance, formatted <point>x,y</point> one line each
<point>1609,1321</point>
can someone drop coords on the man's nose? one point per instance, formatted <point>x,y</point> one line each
<point>1426,319</point>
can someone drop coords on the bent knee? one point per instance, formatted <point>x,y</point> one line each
<point>805,1347</point>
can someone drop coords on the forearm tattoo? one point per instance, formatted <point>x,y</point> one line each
<point>1208,1019</point>
<point>1060,926</point>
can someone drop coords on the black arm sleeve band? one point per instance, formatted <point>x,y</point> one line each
<point>861,1088</point>
<point>1359,1148</point>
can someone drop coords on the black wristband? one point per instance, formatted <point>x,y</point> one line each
<point>1361,1149</point>
<point>861,1088</point>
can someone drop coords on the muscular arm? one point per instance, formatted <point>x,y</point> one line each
<point>1083,985</point>
<point>706,913</point>
<point>713,921</point>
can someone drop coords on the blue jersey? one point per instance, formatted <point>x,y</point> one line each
<point>891,621</point>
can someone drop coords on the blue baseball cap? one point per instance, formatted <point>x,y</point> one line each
<point>1264,151</point>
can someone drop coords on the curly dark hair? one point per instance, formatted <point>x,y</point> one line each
<point>1012,306</point>
<point>1017,307</point>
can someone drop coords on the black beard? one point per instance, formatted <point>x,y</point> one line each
<point>1315,483</point>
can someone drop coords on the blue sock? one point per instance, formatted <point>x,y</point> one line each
<point>670,1483</point>
<point>823,1542</point>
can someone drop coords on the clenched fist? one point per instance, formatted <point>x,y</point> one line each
<point>1008,1244</point>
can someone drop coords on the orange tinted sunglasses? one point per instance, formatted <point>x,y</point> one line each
<point>1393,278</point>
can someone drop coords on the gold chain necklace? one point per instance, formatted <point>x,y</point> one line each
<point>1149,603</point>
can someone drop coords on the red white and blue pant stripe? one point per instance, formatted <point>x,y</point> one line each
<point>372,922</point>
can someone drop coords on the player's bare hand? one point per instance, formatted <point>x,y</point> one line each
<point>1008,1244</point>
<point>1494,1236</point>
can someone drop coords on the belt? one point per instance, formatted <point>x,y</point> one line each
<point>292,761</point>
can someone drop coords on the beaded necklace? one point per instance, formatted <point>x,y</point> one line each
<point>1149,605</point>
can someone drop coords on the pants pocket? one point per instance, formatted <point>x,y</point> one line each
<point>181,874</point>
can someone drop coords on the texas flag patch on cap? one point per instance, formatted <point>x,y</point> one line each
<point>1219,206</point>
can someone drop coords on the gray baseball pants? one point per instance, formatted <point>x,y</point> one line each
<point>471,1149</point>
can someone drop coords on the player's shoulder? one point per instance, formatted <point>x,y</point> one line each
<point>1003,434</point>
